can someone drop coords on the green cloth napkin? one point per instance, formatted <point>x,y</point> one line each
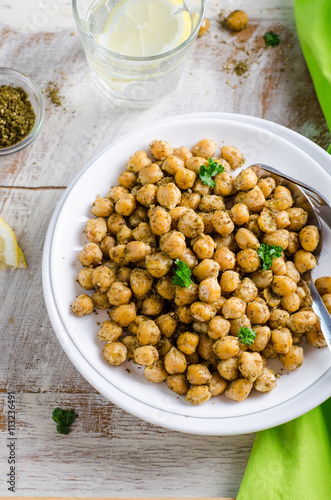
<point>313,19</point>
<point>293,461</point>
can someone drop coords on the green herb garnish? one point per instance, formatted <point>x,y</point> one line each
<point>268,253</point>
<point>64,419</point>
<point>212,169</point>
<point>182,276</point>
<point>271,39</point>
<point>246,335</point>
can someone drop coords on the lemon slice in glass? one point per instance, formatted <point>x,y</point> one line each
<point>142,28</point>
<point>9,251</point>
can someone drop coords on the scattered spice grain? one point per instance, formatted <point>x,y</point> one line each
<point>53,94</point>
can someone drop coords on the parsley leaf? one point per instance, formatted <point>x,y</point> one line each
<point>64,419</point>
<point>207,172</point>
<point>246,335</point>
<point>271,39</point>
<point>268,253</point>
<point>182,276</point>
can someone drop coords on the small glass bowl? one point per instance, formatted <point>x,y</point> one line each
<point>15,78</point>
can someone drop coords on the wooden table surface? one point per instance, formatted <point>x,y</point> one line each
<point>109,452</point>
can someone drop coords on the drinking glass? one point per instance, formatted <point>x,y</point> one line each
<point>134,81</point>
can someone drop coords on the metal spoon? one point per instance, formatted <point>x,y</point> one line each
<point>312,202</point>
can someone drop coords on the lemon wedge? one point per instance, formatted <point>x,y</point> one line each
<point>10,254</point>
<point>141,28</point>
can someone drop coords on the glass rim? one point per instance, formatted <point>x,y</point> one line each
<point>22,78</point>
<point>163,55</point>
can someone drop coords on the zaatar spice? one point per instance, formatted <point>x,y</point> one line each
<point>53,94</point>
<point>16,115</point>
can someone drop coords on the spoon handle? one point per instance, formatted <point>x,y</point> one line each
<point>322,312</point>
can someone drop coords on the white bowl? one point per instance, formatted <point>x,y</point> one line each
<point>296,393</point>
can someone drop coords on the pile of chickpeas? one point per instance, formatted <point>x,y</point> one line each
<point>188,337</point>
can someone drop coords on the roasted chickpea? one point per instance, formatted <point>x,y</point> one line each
<point>202,311</point>
<point>269,351</point>
<point>209,290</point>
<point>291,302</point>
<point>116,192</point>
<point>237,20</point>
<point>175,361</point>
<point>178,383</point>
<point>102,278</point>
<point>124,235</point>
<point>82,305</point>
<point>278,267</point>
<point>293,359</point>
<point>233,308</point>
<point>246,239</point>
<point>298,218</point>
<point>246,290</point>
<point>293,243</point>
<point>205,347</point>
<point>160,149</point>
<point>117,255</point>
<point>204,247</point>
<point>246,180</point>
<point>281,340</point>
<point>85,278</point>
<point>194,163</point>
<point>278,318</point>
<point>167,324</point>
<point>141,282</point>
<point>218,327</point>
<point>267,221</point>
<point>266,382</point>
<point>183,152</point>
<point>115,353</point>
<point>138,215</point>
<point>280,238</point>
<point>160,221</point>
<point>136,251</point>
<point>123,315</point>
<point>173,244</point>
<point>233,156</point>
<point>211,202</point>
<point>229,281</point>
<point>226,347</point>
<point>200,188</point>
<point>156,372</point>
<point>253,225</point>
<point>127,179</point>
<point>301,321</point>
<point>222,222</point>
<point>150,174</point>
<point>102,207</point>
<point>187,342</point>
<point>96,230</point>
<point>309,238</point>
<point>110,331</point>
<point>262,278</point>
<point>250,365</point>
<point>146,355</point>
<point>168,195</point>
<point>258,312</point>
<point>224,184</point>
<point>237,323</point>
<point>304,261</point>
<point>323,285</point>
<point>190,224</point>
<point>119,293</point>
<point>146,195</point>
<point>267,185</point>
<point>137,161</point>
<point>327,301</point>
<point>158,264</point>
<point>143,233</point>
<point>254,199</point>
<point>283,195</point>
<point>185,178</point>
<point>263,335</point>
<point>225,258</point>
<point>314,335</point>
<point>152,305</point>
<point>91,255</point>
<point>189,258</point>
<point>172,163</point>
<point>239,389</point>
<point>198,374</point>
<point>271,298</point>
<point>184,315</point>
<point>198,394</point>
<point>166,288</point>
<point>185,296</point>
<point>282,285</point>
<point>248,260</point>
<point>217,384</point>
<point>114,223</point>
<point>100,300</point>
<point>204,148</point>
<point>148,333</point>
<point>282,219</point>
<point>239,214</point>
<point>229,368</point>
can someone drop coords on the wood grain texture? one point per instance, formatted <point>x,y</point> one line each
<point>109,452</point>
